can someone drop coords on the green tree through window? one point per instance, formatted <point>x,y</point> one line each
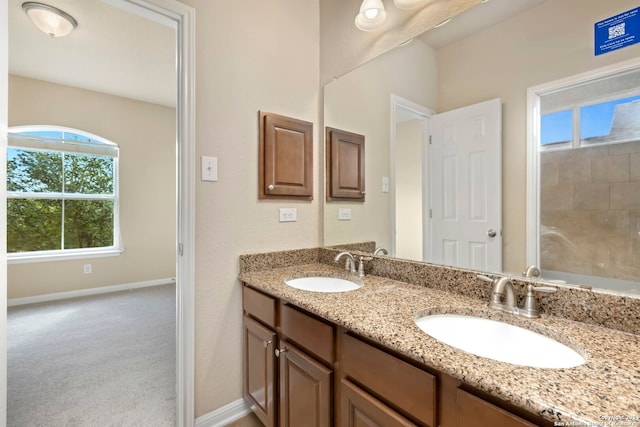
<point>60,199</point>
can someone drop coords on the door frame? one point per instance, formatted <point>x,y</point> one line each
<point>425,114</point>
<point>184,18</point>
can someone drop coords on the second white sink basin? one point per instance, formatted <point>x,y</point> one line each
<point>499,341</point>
<point>323,284</point>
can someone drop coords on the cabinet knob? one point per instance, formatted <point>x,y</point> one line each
<point>280,351</point>
<point>266,343</point>
<point>271,187</point>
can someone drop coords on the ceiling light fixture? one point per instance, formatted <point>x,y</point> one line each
<point>409,4</point>
<point>372,15</point>
<point>50,20</point>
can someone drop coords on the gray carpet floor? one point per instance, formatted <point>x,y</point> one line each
<point>106,360</point>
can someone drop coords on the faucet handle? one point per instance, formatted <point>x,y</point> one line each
<point>361,266</point>
<point>530,308</point>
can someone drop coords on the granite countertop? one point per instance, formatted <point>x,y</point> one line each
<point>383,310</point>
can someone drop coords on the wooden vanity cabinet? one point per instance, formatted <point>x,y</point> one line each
<point>288,363</point>
<point>260,340</point>
<point>400,387</point>
<point>300,370</point>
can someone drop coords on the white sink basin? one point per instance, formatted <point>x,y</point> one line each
<point>323,284</point>
<point>499,341</point>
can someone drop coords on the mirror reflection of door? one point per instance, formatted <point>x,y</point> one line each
<point>466,184</point>
<point>447,193</point>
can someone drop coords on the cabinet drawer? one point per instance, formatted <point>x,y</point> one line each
<point>473,410</point>
<point>358,408</point>
<point>312,334</point>
<point>399,384</point>
<point>259,306</point>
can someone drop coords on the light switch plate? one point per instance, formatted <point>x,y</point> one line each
<point>209,168</point>
<point>288,214</point>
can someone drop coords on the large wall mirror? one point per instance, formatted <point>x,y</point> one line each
<point>392,98</point>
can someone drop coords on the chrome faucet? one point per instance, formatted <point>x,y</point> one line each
<point>531,271</point>
<point>349,264</point>
<point>503,297</point>
<point>381,250</point>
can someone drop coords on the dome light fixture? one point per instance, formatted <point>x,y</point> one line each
<point>50,20</point>
<point>371,16</point>
<point>409,4</point>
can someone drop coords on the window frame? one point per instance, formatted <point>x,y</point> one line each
<point>76,253</point>
<point>533,191</point>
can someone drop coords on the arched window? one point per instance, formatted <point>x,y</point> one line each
<point>62,194</point>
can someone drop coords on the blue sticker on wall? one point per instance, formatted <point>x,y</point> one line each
<point>617,32</point>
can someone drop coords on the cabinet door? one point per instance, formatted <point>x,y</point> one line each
<point>259,368</point>
<point>360,409</point>
<point>305,390</point>
<point>345,165</point>
<point>474,411</point>
<point>286,157</point>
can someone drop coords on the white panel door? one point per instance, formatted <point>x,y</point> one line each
<point>466,187</point>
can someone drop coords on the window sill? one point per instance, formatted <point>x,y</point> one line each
<point>61,256</point>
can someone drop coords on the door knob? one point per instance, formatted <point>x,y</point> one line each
<point>271,187</point>
<point>280,351</point>
<point>492,233</point>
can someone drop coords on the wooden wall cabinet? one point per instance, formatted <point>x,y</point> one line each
<point>345,165</point>
<point>285,165</point>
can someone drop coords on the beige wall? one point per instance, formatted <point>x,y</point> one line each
<point>546,43</point>
<point>251,55</point>
<point>145,134</point>
<point>360,102</point>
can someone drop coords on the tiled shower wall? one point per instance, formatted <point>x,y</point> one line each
<point>590,210</point>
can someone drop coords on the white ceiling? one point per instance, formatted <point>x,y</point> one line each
<point>126,54</point>
<point>112,51</point>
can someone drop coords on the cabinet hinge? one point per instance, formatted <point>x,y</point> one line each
<point>431,213</point>
<point>430,139</point>
<point>180,249</point>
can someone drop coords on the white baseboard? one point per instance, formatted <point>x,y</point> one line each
<point>91,291</point>
<point>225,415</point>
